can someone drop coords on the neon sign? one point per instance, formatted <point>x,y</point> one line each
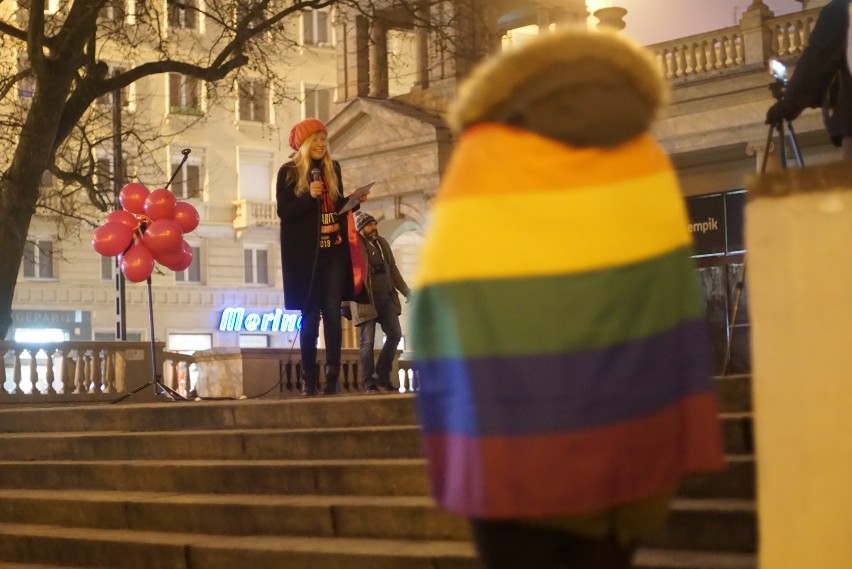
<point>236,319</point>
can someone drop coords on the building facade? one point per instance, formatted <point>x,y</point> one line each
<point>383,85</point>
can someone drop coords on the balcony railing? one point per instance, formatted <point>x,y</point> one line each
<point>253,213</point>
<point>730,49</point>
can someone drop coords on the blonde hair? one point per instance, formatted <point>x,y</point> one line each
<point>302,160</point>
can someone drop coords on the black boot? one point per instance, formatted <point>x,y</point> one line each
<point>309,382</point>
<point>332,374</point>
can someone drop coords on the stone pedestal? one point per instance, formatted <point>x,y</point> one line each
<point>798,235</point>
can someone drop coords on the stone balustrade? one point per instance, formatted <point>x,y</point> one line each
<point>255,213</point>
<point>274,372</point>
<point>722,51</point>
<point>85,370</point>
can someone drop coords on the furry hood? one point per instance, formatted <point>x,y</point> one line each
<point>566,67</point>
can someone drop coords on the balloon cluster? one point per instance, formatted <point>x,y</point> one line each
<point>149,228</point>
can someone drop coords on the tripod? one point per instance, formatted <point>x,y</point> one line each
<point>160,388</point>
<point>785,135</point>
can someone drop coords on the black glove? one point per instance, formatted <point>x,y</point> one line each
<point>779,112</point>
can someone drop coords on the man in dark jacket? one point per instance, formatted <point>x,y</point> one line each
<point>823,61</point>
<point>382,283</point>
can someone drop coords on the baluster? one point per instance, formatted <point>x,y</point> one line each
<point>33,375</point>
<point>95,371</point>
<point>681,60</point>
<point>671,62</point>
<point>785,40</point>
<point>711,56</point>
<point>80,372</point>
<point>689,59</point>
<point>66,372</point>
<point>17,376</point>
<point>807,28</point>
<point>51,389</point>
<point>109,371</point>
<point>739,46</point>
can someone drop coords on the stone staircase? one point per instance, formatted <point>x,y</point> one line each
<point>325,483</point>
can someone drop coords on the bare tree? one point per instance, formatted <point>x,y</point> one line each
<point>52,89</point>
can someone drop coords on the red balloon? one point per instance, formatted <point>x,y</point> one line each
<point>177,260</point>
<point>160,204</point>
<point>112,238</point>
<point>138,263</point>
<point>132,197</point>
<point>163,236</point>
<point>187,216</point>
<point>124,217</point>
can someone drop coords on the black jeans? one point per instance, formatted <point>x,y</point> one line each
<point>513,545</point>
<point>389,321</point>
<point>324,301</point>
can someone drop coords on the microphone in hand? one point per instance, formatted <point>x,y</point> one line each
<point>316,176</point>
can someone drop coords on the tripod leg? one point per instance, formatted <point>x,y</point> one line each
<point>795,144</point>
<point>735,309</point>
<point>766,149</point>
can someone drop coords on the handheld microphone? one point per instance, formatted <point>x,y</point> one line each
<point>316,176</point>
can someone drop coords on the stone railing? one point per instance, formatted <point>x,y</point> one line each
<point>251,213</point>
<point>51,371</point>
<point>231,373</point>
<point>730,49</point>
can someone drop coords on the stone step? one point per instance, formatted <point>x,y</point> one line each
<point>397,477</point>
<point>237,444</point>
<point>273,444</point>
<point>734,393</point>
<point>647,558</point>
<point>735,482</point>
<point>708,525</point>
<point>313,413</point>
<point>121,549</point>
<point>391,517</point>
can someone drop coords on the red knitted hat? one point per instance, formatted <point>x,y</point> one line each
<point>302,130</point>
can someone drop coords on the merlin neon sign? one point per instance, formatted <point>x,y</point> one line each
<point>236,319</point>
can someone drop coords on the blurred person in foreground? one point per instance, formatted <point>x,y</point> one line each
<point>565,377</point>
<point>382,306</point>
<point>822,78</point>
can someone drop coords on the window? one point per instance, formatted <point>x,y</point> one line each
<point>183,14</point>
<point>256,265</point>
<point>189,180</point>
<point>254,101</point>
<point>127,93</point>
<point>184,94</point>
<point>46,179</point>
<point>114,10</point>
<point>110,336</point>
<point>255,176</point>
<point>103,174</point>
<point>193,273</point>
<point>315,28</point>
<point>317,102</point>
<point>108,268</point>
<point>38,259</point>
<point>26,86</point>
<point>254,341</point>
<point>242,11</point>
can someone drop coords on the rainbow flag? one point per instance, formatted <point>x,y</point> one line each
<point>558,330</point>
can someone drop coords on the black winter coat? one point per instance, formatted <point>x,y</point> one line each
<point>821,61</point>
<point>300,223</point>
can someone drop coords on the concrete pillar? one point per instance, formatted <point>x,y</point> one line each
<point>798,235</point>
<point>378,59</point>
<point>352,60</point>
<point>421,41</point>
<point>757,37</point>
